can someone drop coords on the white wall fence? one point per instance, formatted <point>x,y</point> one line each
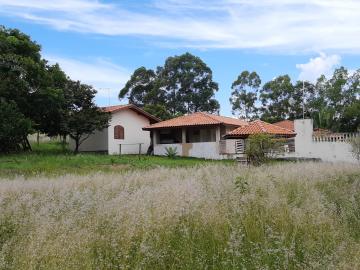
<point>330,147</point>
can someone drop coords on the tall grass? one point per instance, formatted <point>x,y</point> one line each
<point>283,216</point>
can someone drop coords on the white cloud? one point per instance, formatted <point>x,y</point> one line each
<point>321,65</point>
<point>275,25</point>
<point>106,77</point>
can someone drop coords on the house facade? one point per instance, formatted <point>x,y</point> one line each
<point>124,135</point>
<point>195,135</point>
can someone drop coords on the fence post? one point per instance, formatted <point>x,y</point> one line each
<point>120,149</point>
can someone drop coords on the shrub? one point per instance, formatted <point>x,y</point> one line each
<point>171,152</point>
<point>261,147</point>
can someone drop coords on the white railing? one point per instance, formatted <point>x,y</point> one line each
<point>335,137</point>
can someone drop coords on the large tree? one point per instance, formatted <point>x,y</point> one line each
<point>30,82</point>
<point>275,97</point>
<point>188,85</point>
<point>183,85</point>
<point>244,94</point>
<point>335,103</point>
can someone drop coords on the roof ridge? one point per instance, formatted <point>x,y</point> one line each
<point>209,116</point>
<point>261,124</point>
<point>228,117</point>
<point>273,124</point>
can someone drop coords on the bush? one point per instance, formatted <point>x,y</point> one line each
<point>171,152</point>
<point>261,147</point>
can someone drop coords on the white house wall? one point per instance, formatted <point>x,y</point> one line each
<point>208,150</point>
<point>133,133</point>
<point>95,143</point>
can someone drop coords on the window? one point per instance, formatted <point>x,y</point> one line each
<point>119,132</point>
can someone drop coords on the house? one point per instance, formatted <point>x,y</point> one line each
<point>124,134</point>
<point>195,135</point>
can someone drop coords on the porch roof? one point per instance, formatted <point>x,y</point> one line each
<point>259,127</point>
<point>197,119</point>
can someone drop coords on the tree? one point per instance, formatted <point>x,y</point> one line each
<point>188,85</point>
<point>183,85</point>
<point>275,97</point>
<point>300,100</point>
<point>140,89</point>
<point>14,127</point>
<point>83,116</point>
<point>28,80</point>
<point>244,94</point>
<point>158,110</point>
<point>335,104</point>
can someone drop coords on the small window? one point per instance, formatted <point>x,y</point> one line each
<point>119,132</point>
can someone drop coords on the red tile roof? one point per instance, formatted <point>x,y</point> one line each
<point>288,124</point>
<point>257,127</point>
<point>197,119</point>
<point>116,108</point>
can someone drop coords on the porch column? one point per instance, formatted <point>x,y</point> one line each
<point>217,134</point>
<point>154,137</point>
<point>183,135</point>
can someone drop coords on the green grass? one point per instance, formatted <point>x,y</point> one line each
<point>50,159</point>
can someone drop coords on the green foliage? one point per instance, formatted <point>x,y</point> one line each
<point>83,116</point>
<point>260,147</point>
<point>171,152</point>
<point>241,184</point>
<point>333,103</point>
<point>275,98</point>
<point>27,80</point>
<point>244,94</point>
<point>183,85</point>
<point>14,127</point>
<point>158,110</point>
<point>43,93</point>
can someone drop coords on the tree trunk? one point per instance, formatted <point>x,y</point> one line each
<point>63,142</point>
<point>77,144</point>
<point>38,138</point>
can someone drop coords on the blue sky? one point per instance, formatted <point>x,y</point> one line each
<point>103,42</point>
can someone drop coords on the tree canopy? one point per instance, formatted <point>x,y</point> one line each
<point>183,85</point>
<point>35,95</point>
<point>333,103</point>
<point>243,97</point>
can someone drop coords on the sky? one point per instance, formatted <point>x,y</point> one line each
<point>102,42</point>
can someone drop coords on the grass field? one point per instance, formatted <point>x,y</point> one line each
<point>49,159</point>
<point>211,216</point>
